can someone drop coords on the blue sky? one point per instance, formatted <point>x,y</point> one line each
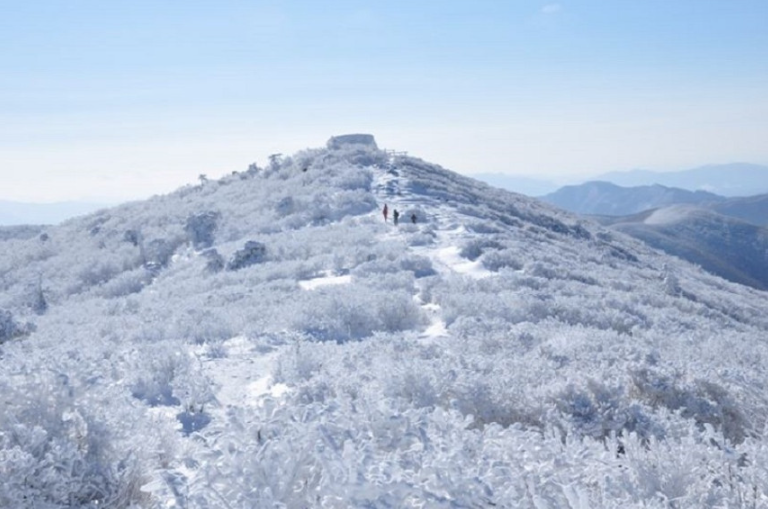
<point>124,99</point>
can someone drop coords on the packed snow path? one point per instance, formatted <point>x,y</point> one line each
<point>242,374</point>
<point>435,215</point>
<point>430,211</point>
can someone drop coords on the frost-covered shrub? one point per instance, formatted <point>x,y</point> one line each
<point>57,451</point>
<point>201,326</point>
<point>362,156</point>
<point>352,203</point>
<point>326,208</point>
<point>705,401</point>
<point>419,265</point>
<point>417,237</point>
<point>379,267</point>
<point>474,249</point>
<point>200,228</point>
<point>497,260</point>
<point>489,300</point>
<point>171,377</point>
<point>10,329</point>
<point>157,372</point>
<point>545,270</point>
<point>344,313</point>
<point>285,206</point>
<point>598,411</point>
<point>38,303</point>
<point>133,237</point>
<point>214,262</point>
<point>253,252</point>
<point>158,252</point>
<point>359,179</point>
<point>101,271</point>
<point>483,227</point>
<point>126,283</point>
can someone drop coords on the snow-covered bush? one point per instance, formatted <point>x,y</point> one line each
<point>58,449</point>
<point>126,283</point>
<point>419,265</point>
<point>253,252</point>
<point>200,228</point>
<point>158,252</point>
<point>344,313</point>
<point>10,328</point>
<point>214,262</point>
<point>500,259</point>
<point>285,206</point>
<point>474,249</point>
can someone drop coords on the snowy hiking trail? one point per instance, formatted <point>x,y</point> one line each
<point>444,253</point>
<point>387,188</point>
<point>241,371</point>
<point>243,375</point>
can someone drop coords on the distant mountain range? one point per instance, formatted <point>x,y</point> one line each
<point>604,198</point>
<point>736,179</point>
<point>729,247</point>
<point>725,236</point>
<point>753,209</point>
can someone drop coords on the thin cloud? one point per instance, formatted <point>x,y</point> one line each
<point>551,9</point>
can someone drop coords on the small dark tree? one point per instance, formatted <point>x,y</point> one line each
<point>39,305</point>
<point>274,161</point>
<point>214,261</point>
<point>253,252</point>
<point>10,329</point>
<point>201,227</point>
<point>132,236</point>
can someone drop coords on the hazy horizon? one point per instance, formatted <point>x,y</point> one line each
<point>119,101</point>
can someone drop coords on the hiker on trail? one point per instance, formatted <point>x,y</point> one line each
<point>413,218</point>
<point>396,216</point>
<point>385,212</point>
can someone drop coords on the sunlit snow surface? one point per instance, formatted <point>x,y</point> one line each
<point>244,375</point>
<point>317,282</point>
<point>268,340</point>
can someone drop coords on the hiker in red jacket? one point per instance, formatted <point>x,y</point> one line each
<point>385,212</point>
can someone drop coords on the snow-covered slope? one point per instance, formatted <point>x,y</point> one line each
<point>268,340</point>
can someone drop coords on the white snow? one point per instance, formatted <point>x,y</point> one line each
<point>328,280</point>
<point>450,257</point>
<point>243,376</point>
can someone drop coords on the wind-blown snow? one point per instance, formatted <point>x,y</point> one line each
<point>268,340</point>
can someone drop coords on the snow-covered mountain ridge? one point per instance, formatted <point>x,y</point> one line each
<point>268,340</point>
